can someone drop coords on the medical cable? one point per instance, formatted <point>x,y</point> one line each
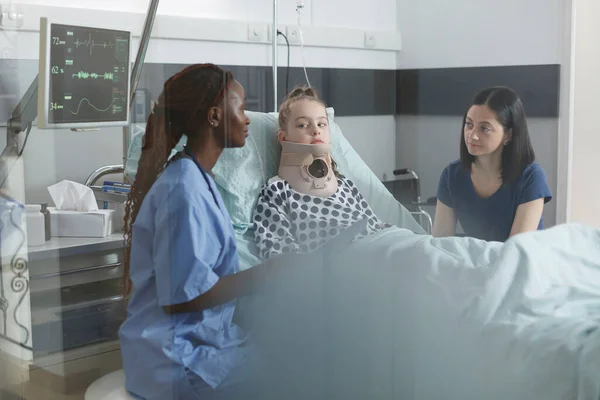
<point>287,71</point>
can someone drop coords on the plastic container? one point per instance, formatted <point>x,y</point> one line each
<point>35,220</point>
<point>47,221</point>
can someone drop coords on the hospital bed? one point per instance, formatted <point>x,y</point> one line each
<point>405,356</point>
<point>240,173</point>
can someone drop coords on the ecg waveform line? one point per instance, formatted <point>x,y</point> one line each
<point>91,44</point>
<point>91,105</point>
<point>87,75</point>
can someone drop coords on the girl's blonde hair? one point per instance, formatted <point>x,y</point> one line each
<point>298,94</point>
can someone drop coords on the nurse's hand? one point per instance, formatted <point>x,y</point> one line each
<point>246,282</point>
<point>269,268</point>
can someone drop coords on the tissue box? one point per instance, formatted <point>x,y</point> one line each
<point>82,223</point>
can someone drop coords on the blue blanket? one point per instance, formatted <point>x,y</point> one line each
<point>401,315</point>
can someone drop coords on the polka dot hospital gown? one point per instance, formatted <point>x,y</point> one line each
<point>286,221</point>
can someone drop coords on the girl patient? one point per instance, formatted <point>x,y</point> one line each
<point>309,202</point>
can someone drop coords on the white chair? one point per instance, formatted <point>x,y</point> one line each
<point>109,387</point>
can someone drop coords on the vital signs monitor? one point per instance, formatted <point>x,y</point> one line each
<point>84,76</point>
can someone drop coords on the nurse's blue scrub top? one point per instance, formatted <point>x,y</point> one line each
<point>491,218</point>
<point>182,242</point>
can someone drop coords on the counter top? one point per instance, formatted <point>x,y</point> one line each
<point>67,246</point>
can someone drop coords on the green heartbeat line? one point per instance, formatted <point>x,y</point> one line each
<point>86,75</point>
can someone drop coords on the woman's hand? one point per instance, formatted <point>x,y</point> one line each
<point>528,217</point>
<point>444,222</point>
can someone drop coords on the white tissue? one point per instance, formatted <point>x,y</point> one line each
<point>73,196</point>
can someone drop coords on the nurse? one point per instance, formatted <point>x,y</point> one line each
<point>181,264</point>
<point>495,190</point>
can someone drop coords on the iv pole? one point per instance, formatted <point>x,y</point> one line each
<point>137,66</point>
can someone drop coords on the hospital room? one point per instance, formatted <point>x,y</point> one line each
<point>390,200</point>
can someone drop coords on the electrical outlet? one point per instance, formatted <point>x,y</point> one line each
<point>257,32</point>
<point>293,34</point>
<point>280,38</point>
<point>370,40</point>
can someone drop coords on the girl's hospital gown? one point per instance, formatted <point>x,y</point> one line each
<point>286,221</point>
<point>182,243</point>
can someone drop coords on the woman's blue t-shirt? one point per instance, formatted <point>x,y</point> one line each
<point>490,218</point>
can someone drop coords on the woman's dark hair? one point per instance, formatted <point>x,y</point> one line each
<point>297,94</point>
<point>182,108</point>
<point>509,110</point>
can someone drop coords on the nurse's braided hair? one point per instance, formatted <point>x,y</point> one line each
<point>298,94</point>
<point>181,109</point>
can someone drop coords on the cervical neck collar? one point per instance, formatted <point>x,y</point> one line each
<point>307,168</point>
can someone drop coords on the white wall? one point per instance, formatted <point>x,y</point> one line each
<point>469,33</point>
<point>54,155</point>
<point>442,34</point>
<point>374,139</point>
<point>379,15</point>
<point>584,190</point>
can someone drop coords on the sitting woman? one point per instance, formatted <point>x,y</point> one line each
<point>309,202</point>
<point>495,190</point>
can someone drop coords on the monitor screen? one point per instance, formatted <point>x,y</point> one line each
<point>84,76</point>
